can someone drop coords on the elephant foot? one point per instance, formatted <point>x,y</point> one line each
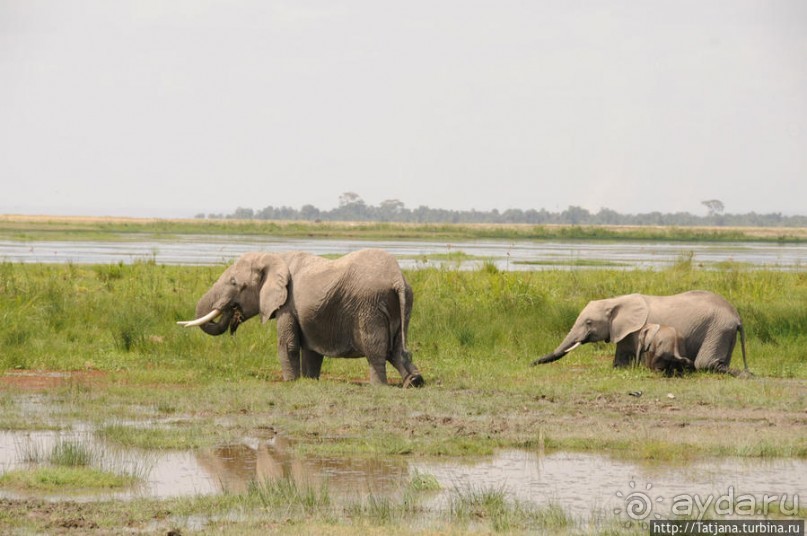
<point>413,380</point>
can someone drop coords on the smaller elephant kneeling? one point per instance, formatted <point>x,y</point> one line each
<point>659,348</point>
<point>706,326</point>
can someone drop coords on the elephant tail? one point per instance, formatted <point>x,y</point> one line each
<point>400,288</point>
<point>741,330</point>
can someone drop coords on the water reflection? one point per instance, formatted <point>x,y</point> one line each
<point>522,255</point>
<point>579,482</point>
<point>235,466</point>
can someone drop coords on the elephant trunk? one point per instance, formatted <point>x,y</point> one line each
<point>213,327</point>
<point>559,352</point>
<point>217,327</point>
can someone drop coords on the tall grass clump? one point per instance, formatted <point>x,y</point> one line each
<point>422,482</point>
<point>290,496</point>
<point>379,510</point>
<point>70,454</point>
<point>72,465</point>
<point>493,507</point>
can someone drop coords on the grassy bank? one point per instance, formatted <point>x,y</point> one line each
<point>473,334</point>
<point>32,228</point>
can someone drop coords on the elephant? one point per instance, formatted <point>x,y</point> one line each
<point>658,348</point>
<point>357,305</point>
<point>707,323</point>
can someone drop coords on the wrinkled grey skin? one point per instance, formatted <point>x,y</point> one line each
<point>659,348</point>
<point>357,305</point>
<point>707,323</point>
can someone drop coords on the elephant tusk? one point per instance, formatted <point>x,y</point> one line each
<point>575,345</point>
<point>199,321</point>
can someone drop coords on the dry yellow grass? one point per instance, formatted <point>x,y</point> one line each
<point>798,233</point>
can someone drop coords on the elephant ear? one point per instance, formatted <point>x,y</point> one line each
<point>628,315</point>
<point>648,334</point>
<point>274,289</point>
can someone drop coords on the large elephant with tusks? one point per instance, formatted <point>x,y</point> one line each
<point>357,305</point>
<point>707,324</point>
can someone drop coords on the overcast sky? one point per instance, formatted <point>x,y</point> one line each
<point>171,108</point>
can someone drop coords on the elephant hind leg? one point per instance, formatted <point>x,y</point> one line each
<point>407,369</point>
<point>378,370</point>
<point>715,353</point>
<point>380,344</point>
<point>401,359</point>
<point>414,380</point>
<point>311,364</point>
<point>374,343</point>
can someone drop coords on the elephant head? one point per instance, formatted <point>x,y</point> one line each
<point>645,338</point>
<point>255,284</point>
<point>609,320</point>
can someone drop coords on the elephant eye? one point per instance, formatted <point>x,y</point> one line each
<point>588,322</point>
<point>233,282</point>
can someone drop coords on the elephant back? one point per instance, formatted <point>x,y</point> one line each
<point>697,315</point>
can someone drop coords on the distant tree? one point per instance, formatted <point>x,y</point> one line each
<point>310,212</point>
<point>242,213</point>
<point>714,206</point>
<point>350,198</point>
<point>606,216</point>
<point>575,215</point>
<point>351,207</point>
<point>513,215</point>
<point>391,210</point>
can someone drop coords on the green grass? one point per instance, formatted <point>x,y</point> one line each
<point>68,467</point>
<point>580,263</point>
<point>493,507</point>
<point>178,436</point>
<point>423,482</point>
<point>289,495</point>
<point>286,508</point>
<point>72,479</point>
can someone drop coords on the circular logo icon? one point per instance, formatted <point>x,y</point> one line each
<point>637,505</point>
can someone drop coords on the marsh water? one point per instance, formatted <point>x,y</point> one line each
<point>506,255</point>
<point>582,482</point>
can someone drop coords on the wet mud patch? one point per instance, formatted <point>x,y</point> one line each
<point>43,380</point>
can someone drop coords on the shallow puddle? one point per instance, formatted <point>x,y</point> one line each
<point>581,483</point>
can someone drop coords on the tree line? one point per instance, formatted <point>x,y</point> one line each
<point>353,208</point>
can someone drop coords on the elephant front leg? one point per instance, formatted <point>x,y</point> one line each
<point>311,363</point>
<point>626,351</point>
<point>288,347</point>
<point>684,363</point>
